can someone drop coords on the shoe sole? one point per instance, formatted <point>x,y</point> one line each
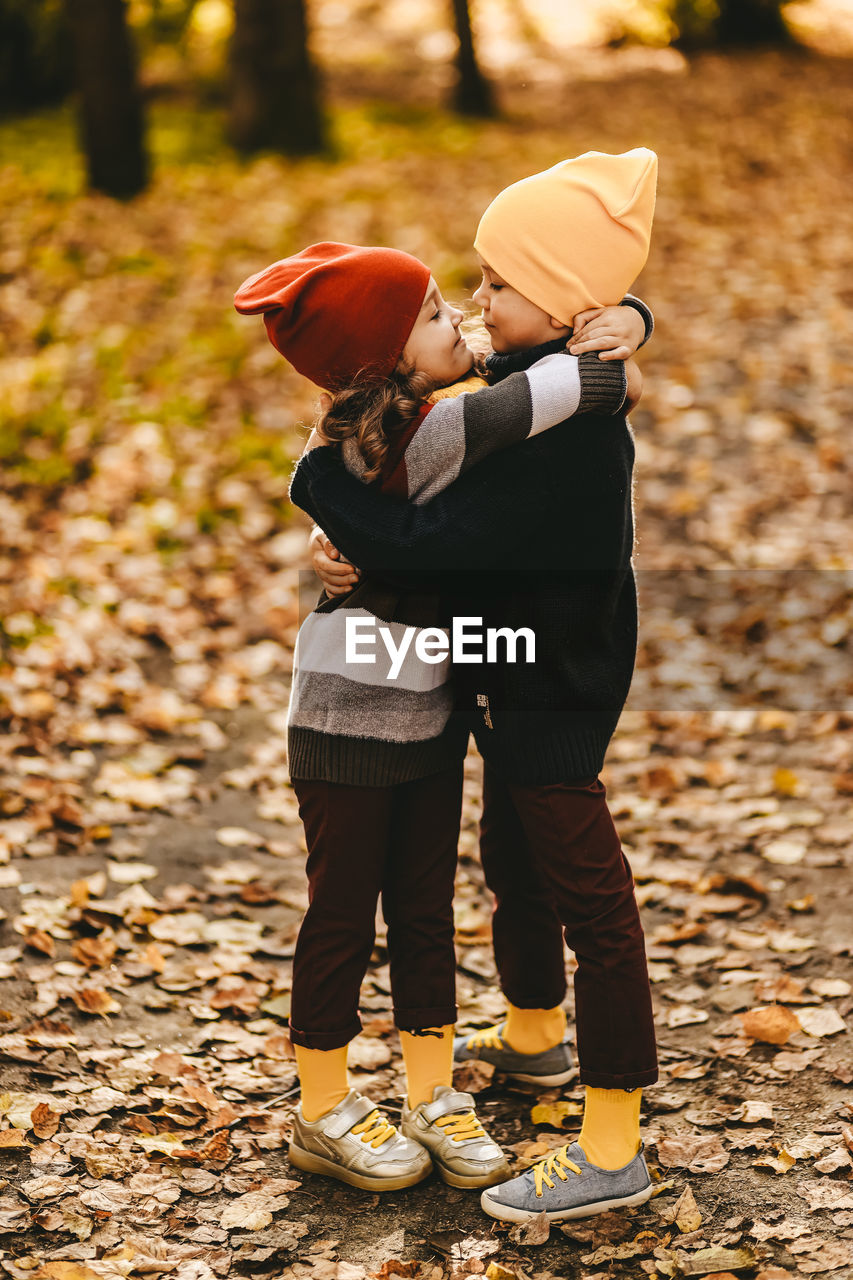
<point>507,1213</point>
<point>560,1077</point>
<point>308,1162</point>
<point>471,1182</point>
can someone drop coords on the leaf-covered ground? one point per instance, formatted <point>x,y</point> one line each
<point>150,857</point>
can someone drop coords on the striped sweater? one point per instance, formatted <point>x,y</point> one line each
<point>388,718</point>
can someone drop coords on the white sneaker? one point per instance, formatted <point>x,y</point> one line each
<point>461,1150</point>
<point>355,1143</point>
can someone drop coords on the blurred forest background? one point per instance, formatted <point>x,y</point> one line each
<point>148,431</point>
<point>152,155</point>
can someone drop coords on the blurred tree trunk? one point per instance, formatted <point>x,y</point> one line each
<point>472,94</point>
<point>729,23</point>
<point>110,106</point>
<point>751,22</point>
<point>275,101</point>
<point>35,58</point>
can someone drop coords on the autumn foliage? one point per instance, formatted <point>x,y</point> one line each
<point>150,853</point>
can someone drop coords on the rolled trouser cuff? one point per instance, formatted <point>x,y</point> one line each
<point>547,999</point>
<point>325,1039</point>
<point>420,1019</point>
<point>629,1080</point>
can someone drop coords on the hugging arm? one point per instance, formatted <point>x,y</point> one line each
<point>482,522</point>
<point>460,430</point>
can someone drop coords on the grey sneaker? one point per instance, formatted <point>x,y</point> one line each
<point>552,1066</point>
<point>566,1185</point>
<point>461,1150</point>
<point>355,1143</point>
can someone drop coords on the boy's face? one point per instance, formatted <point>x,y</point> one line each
<point>435,346</point>
<point>513,321</point>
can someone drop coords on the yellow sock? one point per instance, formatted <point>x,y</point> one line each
<point>610,1133</point>
<point>534,1030</point>
<point>322,1079</point>
<point>429,1061</point>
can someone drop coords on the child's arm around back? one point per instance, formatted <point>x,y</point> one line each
<point>459,431</point>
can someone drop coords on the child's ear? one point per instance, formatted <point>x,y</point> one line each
<point>558,324</point>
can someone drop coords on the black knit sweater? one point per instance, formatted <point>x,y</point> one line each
<point>537,536</point>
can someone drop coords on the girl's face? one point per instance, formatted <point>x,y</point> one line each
<point>513,321</point>
<point>435,345</point>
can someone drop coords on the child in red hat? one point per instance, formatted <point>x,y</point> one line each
<point>375,749</point>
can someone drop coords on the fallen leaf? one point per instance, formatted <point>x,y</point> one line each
<point>65,1271</point>
<point>786,782</point>
<point>473,1076</point>
<point>95,1002</point>
<point>809,1146</point>
<point>785,1230</point>
<point>821,1022</point>
<point>784,852</point>
<point>700,1153</point>
<point>368,1055</point>
<point>796,1061</point>
<point>830,987</point>
<point>555,1113</point>
<point>234,837</point>
<point>46,1188</point>
<point>837,1159</point>
<point>780,1163</point>
<point>252,1211</point>
<point>772,1024</point>
<point>786,941</point>
<point>706,1261</point>
<point>45,1122</point>
<point>826,1194</point>
<point>394,1267</point>
<point>752,1112</point>
<point>533,1232</point>
<point>684,1015</point>
<point>822,1255</point>
<point>686,1215</point>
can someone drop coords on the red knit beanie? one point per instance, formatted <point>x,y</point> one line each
<point>338,312</point>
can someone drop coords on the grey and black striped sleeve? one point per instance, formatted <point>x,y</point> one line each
<point>458,433</point>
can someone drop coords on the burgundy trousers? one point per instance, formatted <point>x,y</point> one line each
<point>553,861</point>
<point>399,842</point>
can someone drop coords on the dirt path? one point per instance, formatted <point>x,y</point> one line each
<point>740,885</point>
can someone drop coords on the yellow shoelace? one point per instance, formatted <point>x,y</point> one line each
<point>461,1126</point>
<point>374,1129</point>
<point>488,1038</point>
<point>556,1162</point>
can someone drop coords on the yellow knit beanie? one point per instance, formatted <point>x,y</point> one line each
<point>575,236</point>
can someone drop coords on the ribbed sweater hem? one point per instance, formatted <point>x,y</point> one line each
<point>363,762</point>
<point>540,760</point>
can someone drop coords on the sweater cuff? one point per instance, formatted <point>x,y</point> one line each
<point>311,467</point>
<point>604,384</point>
<point>648,319</point>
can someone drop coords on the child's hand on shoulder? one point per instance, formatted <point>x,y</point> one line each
<point>615,332</point>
